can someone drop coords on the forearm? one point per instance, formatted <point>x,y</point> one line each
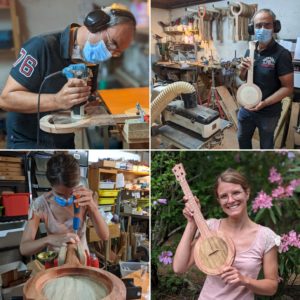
<point>278,96</point>
<point>183,251</point>
<point>266,287</point>
<point>28,248</point>
<point>99,224</point>
<point>27,102</point>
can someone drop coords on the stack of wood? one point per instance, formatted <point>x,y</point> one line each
<point>11,168</point>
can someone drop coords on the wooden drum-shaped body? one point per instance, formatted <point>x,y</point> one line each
<point>213,253</point>
<point>106,285</point>
<point>249,95</point>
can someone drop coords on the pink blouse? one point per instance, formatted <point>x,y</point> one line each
<point>44,207</point>
<point>248,262</point>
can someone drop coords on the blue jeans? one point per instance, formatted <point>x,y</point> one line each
<point>247,123</point>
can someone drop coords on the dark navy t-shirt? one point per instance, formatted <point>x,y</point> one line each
<point>269,65</point>
<point>39,57</point>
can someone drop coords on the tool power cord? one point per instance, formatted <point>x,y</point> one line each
<point>39,103</point>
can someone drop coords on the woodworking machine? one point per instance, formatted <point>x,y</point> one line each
<point>199,119</point>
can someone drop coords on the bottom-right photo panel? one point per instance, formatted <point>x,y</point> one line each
<point>225,225</point>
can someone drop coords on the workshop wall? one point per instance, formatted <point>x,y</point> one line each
<point>288,17</point>
<point>46,16</point>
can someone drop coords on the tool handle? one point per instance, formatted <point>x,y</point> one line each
<point>76,223</point>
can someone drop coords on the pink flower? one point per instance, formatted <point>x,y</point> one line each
<point>278,192</point>
<point>295,183</point>
<point>289,190</point>
<point>262,201</point>
<point>274,176</point>
<point>162,201</point>
<point>292,239</point>
<point>166,257</point>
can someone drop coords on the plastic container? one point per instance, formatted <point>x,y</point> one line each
<point>107,201</point>
<point>16,204</point>
<point>108,193</point>
<point>106,185</point>
<point>127,267</point>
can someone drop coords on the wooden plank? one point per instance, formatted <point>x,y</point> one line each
<point>290,140</point>
<point>17,178</point>
<point>17,168</point>
<point>228,101</point>
<point>279,131</point>
<point>10,159</point>
<point>10,165</point>
<point>7,173</point>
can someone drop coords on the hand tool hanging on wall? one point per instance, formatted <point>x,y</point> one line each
<point>213,250</point>
<point>242,14</point>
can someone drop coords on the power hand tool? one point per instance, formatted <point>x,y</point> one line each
<point>76,218</point>
<point>89,74</point>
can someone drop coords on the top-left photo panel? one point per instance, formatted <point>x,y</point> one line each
<point>74,74</point>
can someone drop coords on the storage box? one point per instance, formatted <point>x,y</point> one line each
<point>107,163</point>
<point>15,204</point>
<point>106,185</point>
<point>130,267</point>
<point>107,200</point>
<point>108,193</point>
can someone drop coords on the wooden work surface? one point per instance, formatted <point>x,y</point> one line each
<point>142,281</point>
<point>119,100</point>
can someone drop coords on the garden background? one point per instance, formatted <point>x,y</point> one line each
<point>274,177</point>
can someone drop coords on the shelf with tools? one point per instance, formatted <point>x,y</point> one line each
<point>111,180</point>
<point>10,38</point>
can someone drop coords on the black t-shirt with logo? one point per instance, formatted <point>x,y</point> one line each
<point>269,65</point>
<point>39,57</point>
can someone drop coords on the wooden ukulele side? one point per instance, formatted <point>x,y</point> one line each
<point>213,250</point>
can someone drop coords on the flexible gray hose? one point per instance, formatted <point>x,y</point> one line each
<point>168,94</point>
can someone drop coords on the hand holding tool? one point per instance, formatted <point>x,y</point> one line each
<point>76,219</point>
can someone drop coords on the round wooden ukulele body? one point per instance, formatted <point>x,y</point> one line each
<point>213,253</point>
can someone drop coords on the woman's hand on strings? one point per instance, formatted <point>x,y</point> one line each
<point>231,275</point>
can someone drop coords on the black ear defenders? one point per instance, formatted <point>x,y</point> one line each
<point>99,20</point>
<point>276,26</point>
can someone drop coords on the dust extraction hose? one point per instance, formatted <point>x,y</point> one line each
<point>167,95</point>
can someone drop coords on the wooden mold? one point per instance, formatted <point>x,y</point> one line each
<point>115,288</point>
<point>213,250</point>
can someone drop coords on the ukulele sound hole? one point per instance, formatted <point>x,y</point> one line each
<point>213,252</point>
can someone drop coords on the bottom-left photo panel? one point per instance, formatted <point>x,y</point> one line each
<point>74,225</point>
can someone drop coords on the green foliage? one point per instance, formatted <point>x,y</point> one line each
<point>202,168</point>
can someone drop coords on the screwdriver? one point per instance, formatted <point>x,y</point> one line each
<point>76,219</point>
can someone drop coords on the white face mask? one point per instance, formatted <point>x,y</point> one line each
<point>263,35</point>
<point>95,53</point>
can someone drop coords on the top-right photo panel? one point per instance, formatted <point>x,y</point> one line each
<point>225,74</point>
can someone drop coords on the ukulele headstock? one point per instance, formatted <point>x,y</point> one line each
<point>179,172</point>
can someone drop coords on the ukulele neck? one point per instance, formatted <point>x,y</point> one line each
<point>251,56</point>
<point>198,217</point>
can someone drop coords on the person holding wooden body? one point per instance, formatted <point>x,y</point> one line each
<point>273,74</point>
<point>255,245</point>
<point>55,208</point>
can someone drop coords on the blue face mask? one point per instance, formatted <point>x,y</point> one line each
<point>62,201</point>
<point>95,53</point>
<point>263,35</point>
